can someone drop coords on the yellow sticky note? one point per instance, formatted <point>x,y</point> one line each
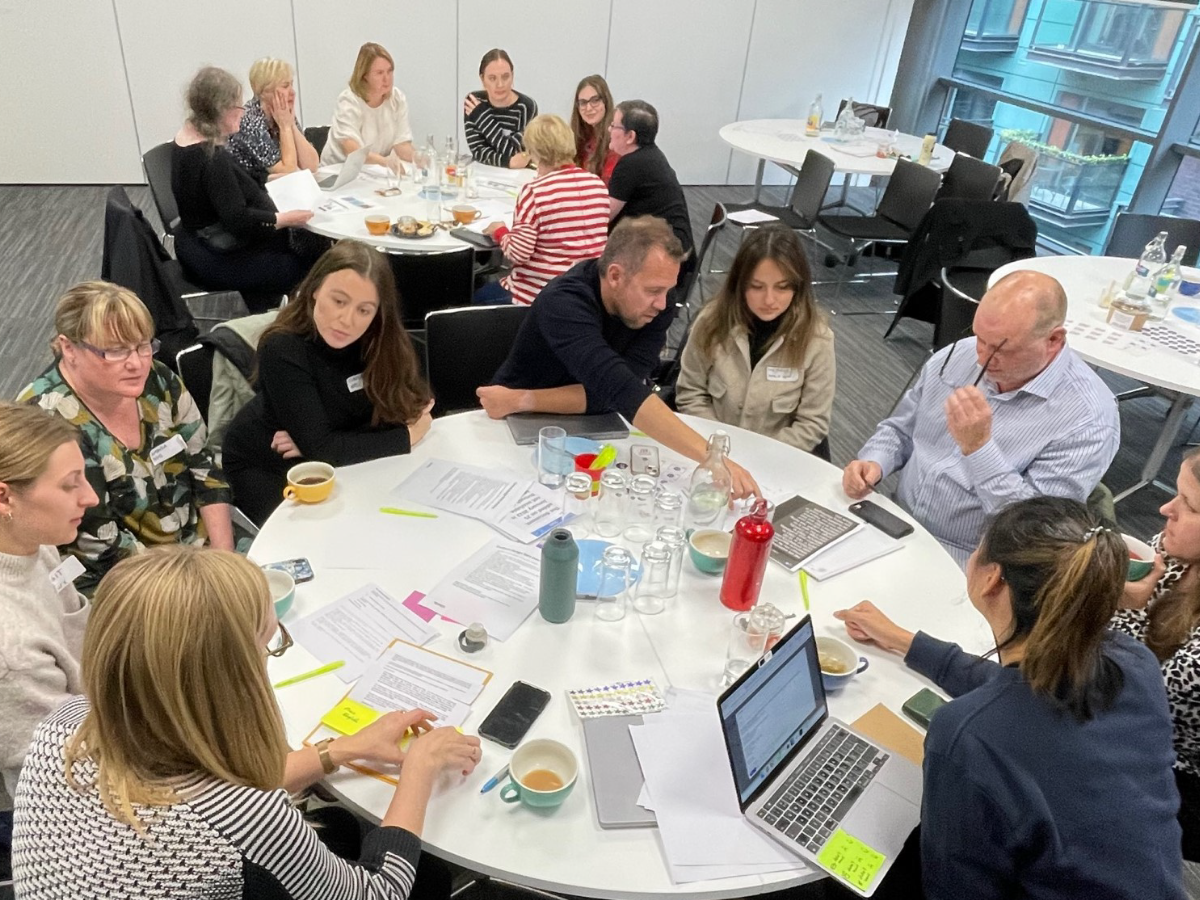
<point>851,859</point>
<point>349,716</point>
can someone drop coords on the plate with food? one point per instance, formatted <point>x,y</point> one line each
<point>412,229</point>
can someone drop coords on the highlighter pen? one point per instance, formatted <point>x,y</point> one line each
<point>494,780</point>
<point>392,511</point>
<point>804,588</point>
<point>321,670</point>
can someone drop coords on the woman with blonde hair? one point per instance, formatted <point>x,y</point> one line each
<point>591,116</point>
<point>269,140</point>
<point>561,217</point>
<point>760,355</point>
<point>141,433</point>
<point>372,112</point>
<point>176,762</point>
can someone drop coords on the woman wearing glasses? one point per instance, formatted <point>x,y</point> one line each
<point>590,118</point>
<point>142,434</point>
<point>175,764</point>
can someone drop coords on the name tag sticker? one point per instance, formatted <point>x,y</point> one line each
<point>782,373</point>
<point>354,383</point>
<point>163,452</point>
<point>65,573</point>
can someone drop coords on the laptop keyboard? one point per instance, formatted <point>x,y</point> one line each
<point>812,801</point>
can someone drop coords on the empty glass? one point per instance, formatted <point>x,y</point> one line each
<point>675,538</point>
<point>668,507</point>
<point>578,503</point>
<point>553,460</point>
<point>615,567</point>
<point>639,518</point>
<point>650,596</point>
<point>609,516</point>
<point>748,635</point>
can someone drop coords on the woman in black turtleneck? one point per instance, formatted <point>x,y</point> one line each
<point>760,355</point>
<point>338,381</point>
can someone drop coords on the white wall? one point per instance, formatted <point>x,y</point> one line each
<point>119,68</point>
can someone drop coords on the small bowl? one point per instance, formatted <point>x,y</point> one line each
<point>377,224</point>
<point>1189,288</point>
<point>844,658</point>
<point>1141,558</point>
<point>709,550</point>
<point>283,590</point>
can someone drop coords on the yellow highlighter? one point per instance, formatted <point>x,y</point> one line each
<point>604,458</point>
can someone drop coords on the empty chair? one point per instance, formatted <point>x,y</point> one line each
<point>808,194</point>
<point>156,163</point>
<point>969,178</point>
<point>875,116</point>
<point>432,281</point>
<point>1133,231</point>
<point>966,137</point>
<point>317,135</point>
<point>716,223</point>
<point>464,348</point>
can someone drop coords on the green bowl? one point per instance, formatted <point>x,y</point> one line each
<point>1141,558</point>
<point>283,590</point>
<point>709,550</point>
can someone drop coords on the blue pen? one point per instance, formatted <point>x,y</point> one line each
<point>494,780</point>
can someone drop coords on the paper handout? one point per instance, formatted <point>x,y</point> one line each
<point>497,586</point>
<point>467,490</point>
<point>296,190</point>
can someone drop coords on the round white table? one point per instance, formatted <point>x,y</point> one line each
<point>1085,278</point>
<point>565,850</point>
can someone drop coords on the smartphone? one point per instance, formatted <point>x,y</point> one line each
<point>892,526</point>
<point>921,706</point>
<point>513,716</point>
<point>643,460</point>
<point>299,568</point>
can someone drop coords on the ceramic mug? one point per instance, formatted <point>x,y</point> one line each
<point>377,224</point>
<point>1141,558</point>
<point>309,482</point>
<point>283,590</point>
<point>709,549</point>
<point>844,657</point>
<point>534,766</point>
<point>465,214</point>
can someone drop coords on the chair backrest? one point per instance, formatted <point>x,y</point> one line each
<point>812,183</point>
<point>875,116</point>
<point>464,348</point>
<point>969,179</point>
<point>194,365</point>
<point>1022,174</point>
<point>715,224</point>
<point>317,136</point>
<point>432,281</point>
<point>909,194</point>
<point>156,163</point>
<point>966,137</point>
<point>959,303</point>
<point>1133,231</point>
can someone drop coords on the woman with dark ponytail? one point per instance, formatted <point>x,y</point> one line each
<point>1049,773</point>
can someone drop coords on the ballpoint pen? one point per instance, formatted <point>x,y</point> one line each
<point>494,780</point>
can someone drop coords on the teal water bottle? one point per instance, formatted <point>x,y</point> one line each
<point>560,563</point>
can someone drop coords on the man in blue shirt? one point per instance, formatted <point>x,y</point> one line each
<point>1007,414</point>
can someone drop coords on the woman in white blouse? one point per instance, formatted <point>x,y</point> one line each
<point>371,113</point>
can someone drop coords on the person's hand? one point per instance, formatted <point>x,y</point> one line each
<point>969,419</point>
<point>419,427</point>
<point>443,749</point>
<point>498,401</point>
<point>470,104</point>
<point>293,218</point>
<point>281,109</point>
<point>380,741</point>
<point>492,228</point>
<point>743,483</point>
<point>519,161</point>
<point>1137,594</point>
<point>866,624</point>
<point>860,477</point>
<point>283,444</point>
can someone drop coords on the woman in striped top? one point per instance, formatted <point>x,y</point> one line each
<point>561,217</point>
<point>174,766</point>
<point>494,119</point>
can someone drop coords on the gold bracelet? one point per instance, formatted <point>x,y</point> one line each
<point>327,764</point>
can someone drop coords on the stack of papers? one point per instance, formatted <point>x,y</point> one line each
<point>497,586</point>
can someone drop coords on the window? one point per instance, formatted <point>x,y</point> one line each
<point>994,26</point>
<point>1113,39</point>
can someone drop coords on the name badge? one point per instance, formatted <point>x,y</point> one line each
<point>782,373</point>
<point>354,383</point>
<point>163,452</point>
<point>65,572</point>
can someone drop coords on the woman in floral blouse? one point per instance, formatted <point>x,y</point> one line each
<point>142,434</point>
<point>269,141</point>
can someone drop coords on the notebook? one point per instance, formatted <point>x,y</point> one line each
<point>599,427</point>
<point>616,775</point>
<point>803,529</point>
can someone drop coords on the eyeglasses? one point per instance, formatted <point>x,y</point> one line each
<point>983,369</point>
<point>284,642</point>
<point>618,127</point>
<point>120,354</point>
<point>585,102</point>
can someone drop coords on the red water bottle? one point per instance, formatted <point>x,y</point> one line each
<point>748,556</point>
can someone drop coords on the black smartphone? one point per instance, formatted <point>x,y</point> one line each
<point>513,716</point>
<point>921,706</point>
<point>298,568</point>
<point>892,526</point>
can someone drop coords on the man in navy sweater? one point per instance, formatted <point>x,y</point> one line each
<point>593,337</point>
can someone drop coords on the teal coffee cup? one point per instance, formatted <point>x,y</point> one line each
<point>542,774</point>
<point>1141,558</point>
<point>709,549</point>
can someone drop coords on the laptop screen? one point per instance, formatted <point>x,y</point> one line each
<point>769,712</point>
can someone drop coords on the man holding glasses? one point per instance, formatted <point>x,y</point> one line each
<point>1006,414</point>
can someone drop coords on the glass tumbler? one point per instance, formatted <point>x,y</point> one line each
<point>639,522</point>
<point>668,507</point>
<point>609,517</point>
<point>650,596</point>
<point>553,460</point>
<point>615,567</point>
<point>578,503</point>
<point>675,538</point>
<point>748,635</point>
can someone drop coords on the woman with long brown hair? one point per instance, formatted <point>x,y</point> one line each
<point>1049,773</point>
<point>494,118</point>
<point>338,380</point>
<point>591,114</point>
<point>760,355</point>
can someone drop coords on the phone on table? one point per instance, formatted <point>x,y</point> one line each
<point>512,717</point>
<point>921,706</point>
<point>873,514</point>
<point>643,460</point>
<point>300,569</point>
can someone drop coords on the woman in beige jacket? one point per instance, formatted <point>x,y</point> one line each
<point>760,355</point>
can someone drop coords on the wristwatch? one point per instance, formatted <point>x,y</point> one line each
<point>327,763</point>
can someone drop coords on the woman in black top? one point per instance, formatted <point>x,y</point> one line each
<point>230,236</point>
<point>494,119</point>
<point>337,381</point>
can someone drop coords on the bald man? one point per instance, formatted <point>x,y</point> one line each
<point>1007,414</point>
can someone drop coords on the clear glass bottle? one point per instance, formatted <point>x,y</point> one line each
<point>843,128</point>
<point>1166,284</point>
<point>812,127</point>
<point>711,485</point>
<point>1138,282</point>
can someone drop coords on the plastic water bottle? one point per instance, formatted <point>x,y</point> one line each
<point>1165,284</point>
<point>843,128</point>
<point>812,127</point>
<point>1139,281</point>
<point>711,485</point>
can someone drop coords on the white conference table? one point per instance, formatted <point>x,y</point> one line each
<point>565,850</point>
<point>783,141</point>
<point>1084,278</point>
<point>497,192</point>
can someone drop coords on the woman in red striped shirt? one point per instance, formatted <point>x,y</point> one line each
<point>560,219</point>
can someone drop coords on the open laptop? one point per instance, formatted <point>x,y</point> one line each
<point>809,781</point>
<point>598,426</point>
<point>348,172</point>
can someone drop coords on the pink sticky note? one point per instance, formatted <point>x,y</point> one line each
<point>413,604</point>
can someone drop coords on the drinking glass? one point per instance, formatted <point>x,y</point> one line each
<point>578,503</point>
<point>650,596</point>
<point>615,567</point>
<point>609,517</point>
<point>553,460</point>
<point>748,635</point>
<point>668,507</point>
<point>639,523</point>
<point>675,538</point>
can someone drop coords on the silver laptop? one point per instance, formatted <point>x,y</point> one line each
<point>598,426</point>
<point>348,172</point>
<point>805,779</point>
<point>616,774</point>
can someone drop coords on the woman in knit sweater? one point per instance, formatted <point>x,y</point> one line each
<point>494,119</point>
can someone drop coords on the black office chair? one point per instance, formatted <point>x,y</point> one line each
<point>1133,231</point>
<point>465,347</point>
<point>969,178</point>
<point>962,289</point>
<point>432,281</point>
<point>966,137</point>
<point>317,136</point>
<point>156,163</point>
<point>812,183</point>
<point>875,116</point>
<point>195,367</point>
<point>716,223</point>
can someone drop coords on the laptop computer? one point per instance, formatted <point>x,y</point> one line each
<point>598,427</point>
<point>830,795</point>
<point>616,773</point>
<point>348,172</point>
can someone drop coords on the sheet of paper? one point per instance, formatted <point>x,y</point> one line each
<point>406,677</point>
<point>357,628</point>
<point>497,586</point>
<point>537,511</point>
<point>751,217</point>
<point>858,548</point>
<point>414,603</point>
<point>296,190</point>
<point>472,491</point>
